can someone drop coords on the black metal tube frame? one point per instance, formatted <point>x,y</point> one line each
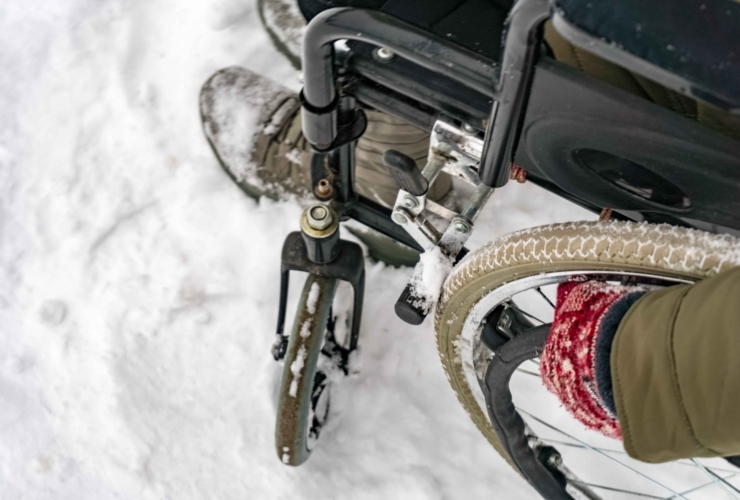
<point>523,40</point>
<point>378,28</point>
<point>507,85</point>
<point>348,266</point>
<point>422,86</point>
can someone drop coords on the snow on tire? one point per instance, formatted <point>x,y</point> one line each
<point>295,416</point>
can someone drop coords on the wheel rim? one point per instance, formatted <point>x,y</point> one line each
<point>475,358</point>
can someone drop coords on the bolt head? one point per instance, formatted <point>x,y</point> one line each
<point>319,217</point>
<point>399,218</point>
<point>469,129</point>
<point>461,227</point>
<point>410,202</point>
<point>384,54</point>
<point>555,460</point>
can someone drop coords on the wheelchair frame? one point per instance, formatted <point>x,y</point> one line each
<point>582,139</point>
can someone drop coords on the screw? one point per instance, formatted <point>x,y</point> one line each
<point>410,202</point>
<point>384,54</point>
<point>319,217</point>
<point>504,322</point>
<point>469,129</point>
<point>399,218</point>
<point>461,227</point>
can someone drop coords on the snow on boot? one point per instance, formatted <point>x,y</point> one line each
<point>253,126</point>
<point>285,26</point>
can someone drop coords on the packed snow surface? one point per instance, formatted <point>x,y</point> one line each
<point>139,286</point>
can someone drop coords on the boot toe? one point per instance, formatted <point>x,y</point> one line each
<point>238,107</point>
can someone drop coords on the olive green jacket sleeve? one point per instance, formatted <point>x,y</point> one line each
<point>675,366</point>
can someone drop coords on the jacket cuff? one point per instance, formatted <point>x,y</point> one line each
<point>649,407</point>
<point>608,327</point>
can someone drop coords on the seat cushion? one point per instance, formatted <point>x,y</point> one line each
<point>697,40</point>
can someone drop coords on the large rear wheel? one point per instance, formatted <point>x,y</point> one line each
<point>509,285</point>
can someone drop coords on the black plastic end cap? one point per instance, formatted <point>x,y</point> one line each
<point>406,310</point>
<point>409,313</point>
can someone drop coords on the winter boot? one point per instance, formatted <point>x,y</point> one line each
<point>284,24</point>
<point>254,128</point>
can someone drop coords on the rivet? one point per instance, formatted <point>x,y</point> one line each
<point>384,54</point>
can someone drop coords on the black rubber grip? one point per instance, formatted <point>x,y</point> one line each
<point>406,310</point>
<point>404,171</point>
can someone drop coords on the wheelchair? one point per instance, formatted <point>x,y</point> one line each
<point>666,188</point>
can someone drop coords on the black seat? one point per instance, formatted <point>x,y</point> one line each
<point>696,40</point>
<point>476,25</point>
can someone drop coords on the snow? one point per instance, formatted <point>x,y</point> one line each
<point>306,328</point>
<point>294,156</point>
<point>429,275</point>
<point>139,287</point>
<point>313,297</point>
<point>295,368</point>
<point>277,118</point>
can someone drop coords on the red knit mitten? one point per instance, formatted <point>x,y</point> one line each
<point>575,362</point>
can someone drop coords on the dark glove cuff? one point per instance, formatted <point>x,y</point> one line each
<point>603,348</point>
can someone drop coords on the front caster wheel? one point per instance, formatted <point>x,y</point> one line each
<point>305,390</point>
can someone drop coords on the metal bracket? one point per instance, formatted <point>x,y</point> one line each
<point>455,149</point>
<point>349,265</point>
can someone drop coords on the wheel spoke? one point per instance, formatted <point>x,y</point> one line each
<point>680,462</point>
<point>576,445</point>
<point>622,452</point>
<point>539,290</point>
<point>657,483</point>
<point>618,490</point>
<point>516,308</point>
<point>722,479</point>
<point>727,487</point>
<point>522,370</point>
<point>713,469</point>
<point>694,489</point>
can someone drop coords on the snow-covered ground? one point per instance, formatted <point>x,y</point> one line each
<point>138,286</point>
